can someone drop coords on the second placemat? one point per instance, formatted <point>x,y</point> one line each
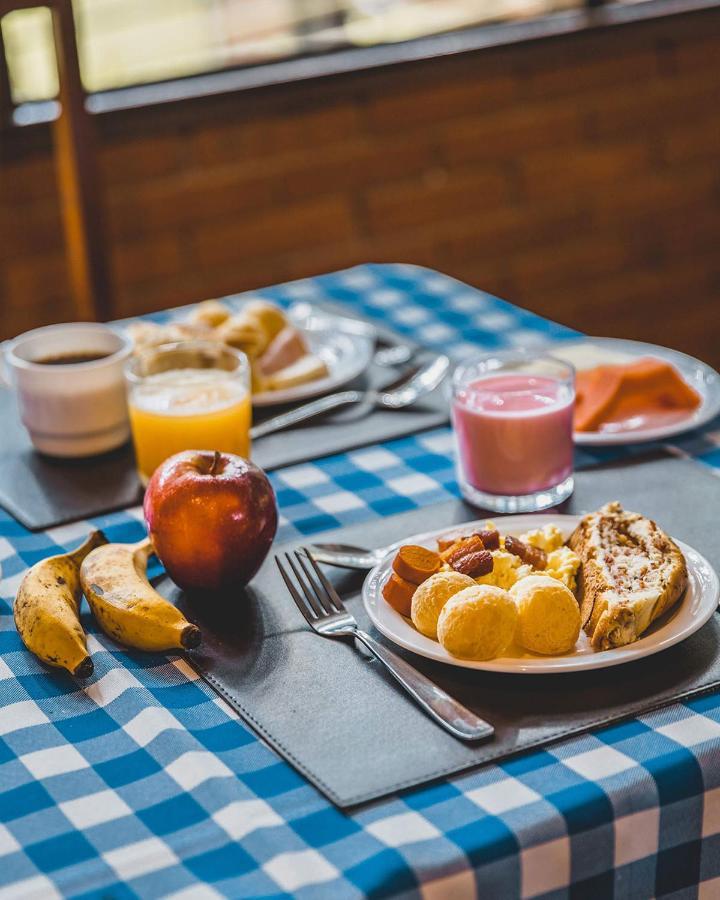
<point>42,492</point>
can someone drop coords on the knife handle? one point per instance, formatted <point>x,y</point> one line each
<point>305,412</point>
<point>460,721</point>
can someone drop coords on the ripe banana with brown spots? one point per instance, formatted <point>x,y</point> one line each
<point>47,609</point>
<point>125,604</point>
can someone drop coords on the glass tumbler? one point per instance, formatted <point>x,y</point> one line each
<point>191,395</point>
<point>512,416</point>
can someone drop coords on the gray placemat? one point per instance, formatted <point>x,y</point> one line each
<point>41,492</point>
<point>342,722</point>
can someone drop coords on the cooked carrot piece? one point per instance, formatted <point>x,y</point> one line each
<point>471,544</point>
<point>416,564</point>
<point>399,594</point>
<point>447,547</point>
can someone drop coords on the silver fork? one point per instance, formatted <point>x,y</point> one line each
<point>326,614</point>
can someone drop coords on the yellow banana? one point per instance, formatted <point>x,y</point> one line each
<point>47,606</point>
<point>126,605</point>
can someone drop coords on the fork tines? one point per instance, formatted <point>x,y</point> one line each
<point>316,599</point>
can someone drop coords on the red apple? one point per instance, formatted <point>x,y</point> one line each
<point>212,518</point>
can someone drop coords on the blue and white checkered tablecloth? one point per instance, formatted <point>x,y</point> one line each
<point>143,783</point>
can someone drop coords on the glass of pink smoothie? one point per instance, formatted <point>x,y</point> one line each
<point>512,415</point>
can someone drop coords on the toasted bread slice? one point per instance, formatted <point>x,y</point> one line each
<point>632,572</point>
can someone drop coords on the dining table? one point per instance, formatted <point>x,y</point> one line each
<point>143,782</point>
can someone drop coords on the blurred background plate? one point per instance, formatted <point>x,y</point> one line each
<point>700,376</point>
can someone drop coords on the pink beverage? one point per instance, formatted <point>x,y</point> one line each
<point>513,430</point>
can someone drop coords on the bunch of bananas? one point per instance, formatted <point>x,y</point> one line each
<point>114,579</point>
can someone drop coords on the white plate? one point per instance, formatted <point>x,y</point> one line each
<point>690,614</point>
<point>346,356</point>
<point>698,375</point>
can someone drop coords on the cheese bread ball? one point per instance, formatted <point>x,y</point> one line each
<point>478,622</point>
<point>548,615</point>
<point>430,597</point>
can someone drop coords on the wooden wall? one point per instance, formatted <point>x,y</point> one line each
<point>577,176</point>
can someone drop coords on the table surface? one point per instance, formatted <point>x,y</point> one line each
<point>144,784</point>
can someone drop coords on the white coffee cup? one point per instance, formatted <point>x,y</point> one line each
<point>71,409</point>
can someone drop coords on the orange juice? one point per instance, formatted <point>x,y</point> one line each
<point>188,409</point>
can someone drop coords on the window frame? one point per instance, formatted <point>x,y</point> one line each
<point>595,14</point>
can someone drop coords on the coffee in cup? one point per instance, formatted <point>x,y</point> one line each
<point>70,387</point>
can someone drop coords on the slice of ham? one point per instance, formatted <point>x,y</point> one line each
<point>614,393</point>
<point>285,349</point>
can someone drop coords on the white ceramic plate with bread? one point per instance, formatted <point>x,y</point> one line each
<point>290,361</point>
<point>689,614</point>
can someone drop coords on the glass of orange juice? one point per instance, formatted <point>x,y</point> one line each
<point>192,395</point>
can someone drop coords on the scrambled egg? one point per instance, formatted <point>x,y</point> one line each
<point>548,538</point>
<point>562,562</point>
<point>507,569</point>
